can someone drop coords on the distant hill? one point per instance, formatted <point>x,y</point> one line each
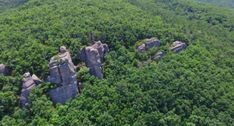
<point>4,4</point>
<point>223,3</point>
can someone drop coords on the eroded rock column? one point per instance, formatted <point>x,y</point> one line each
<point>63,74</point>
<point>29,82</point>
<point>93,56</point>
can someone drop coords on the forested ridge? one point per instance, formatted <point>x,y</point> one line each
<point>193,87</point>
<point>6,4</point>
<point>222,3</point>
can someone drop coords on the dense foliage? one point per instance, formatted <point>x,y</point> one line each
<point>194,87</point>
<point>224,3</point>
<point>6,4</point>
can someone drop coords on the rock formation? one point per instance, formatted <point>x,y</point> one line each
<point>4,70</point>
<point>63,74</point>
<point>29,82</point>
<point>158,55</point>
<point>148,43</point>
<point>93,57</point>
<point>178,46</point>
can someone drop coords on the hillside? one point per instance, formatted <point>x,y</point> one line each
<point>222,3</point>
<point>193,87</point>
<point>6,4</point>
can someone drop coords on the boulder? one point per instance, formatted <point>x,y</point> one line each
<point>4,70</point>
<point>36,79</point>
<point>93,56</point>
<point>63,74</point>
<point>158,55</point>
<point>148,43</point>
<point>141,48</point>
<point>29,82</point>
<point>178,46</point>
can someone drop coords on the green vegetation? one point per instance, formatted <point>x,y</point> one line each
<point>223,3</point>
<point>194,87</point>
<point>6,4</point>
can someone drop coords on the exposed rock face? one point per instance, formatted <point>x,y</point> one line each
<point>159,55</point>
<point>178,46</point>
<point>4,70</point>
<point>29,82</point>
<point>36,79</point>
<point>148,43</point>
<point>63,93</point>
<point>93,57</point>
<point>62,69</point>
<point>62,73</point>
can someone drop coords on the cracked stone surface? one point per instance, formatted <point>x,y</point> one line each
<point>63,74</point>
<point>178,46</point>
<point>93,56</point>
<point>29,83</point>
<point>158,55</point>
<point>148,43</point>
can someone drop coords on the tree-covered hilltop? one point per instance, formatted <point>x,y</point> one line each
<point>223,3</point>
<point>193,87</point>
<point>6,4</point>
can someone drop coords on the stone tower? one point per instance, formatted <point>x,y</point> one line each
<point>63,74</point>
<point>93,57</point>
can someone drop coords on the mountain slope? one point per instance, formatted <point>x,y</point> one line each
<point>194,87</point>
<point>223,3</point>
<point>6,4</point>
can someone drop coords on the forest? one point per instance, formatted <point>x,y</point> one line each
<point>192,88</point>
<point>6,4</point>
<point>222,3</point>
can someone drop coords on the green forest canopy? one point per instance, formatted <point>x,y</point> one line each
<point>194,87</point>
<point>6,4</point>
<point>223,3</point>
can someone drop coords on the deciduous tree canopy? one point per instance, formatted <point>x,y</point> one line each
<point>193,87</point>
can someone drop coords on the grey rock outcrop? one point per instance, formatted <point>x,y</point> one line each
<point>4,70</point>
<point>93,56</point>
<point>148,43</point>
<point>178,46</point>
<point>63,93</point>
<point>158,55</point>
<point>29,82</point>
<point>36,79</point>
<point>63,74</point>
